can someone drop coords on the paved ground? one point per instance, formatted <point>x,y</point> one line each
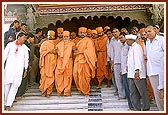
<point>98,100</point>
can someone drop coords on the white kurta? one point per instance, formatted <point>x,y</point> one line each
<point>15,63</point>
<point>108,49</point>
<point>114,51</point>
<point>135,61</point>
<point>155,58</point>
<point>124,57</point>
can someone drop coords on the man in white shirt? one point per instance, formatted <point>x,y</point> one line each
<point>16,64</point>
<point>110,37</point>
<point>123,73</point>
<point>115,55</point>
<point>137,75</point>
<point>155,64</point>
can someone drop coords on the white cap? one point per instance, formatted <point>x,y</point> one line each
<point>157,26</point>
<point>131,36</point>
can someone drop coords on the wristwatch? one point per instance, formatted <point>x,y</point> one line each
<point>137,71</point>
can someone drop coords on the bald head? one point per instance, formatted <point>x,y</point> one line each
<point>60,32</point>
<point>66,36</point>
<point>82,32</point>
<point>150,32</point>
<point>51,35</point>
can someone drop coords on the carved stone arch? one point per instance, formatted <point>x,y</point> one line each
<point>95,21</point>
<point>72,24</point>
<point>141,25</point>
<point>81,21</point>
<point>51,26</point>
<point>67,25</point>
<point>89,22</point>
<point>126,22</point>
<point>103,21</point>
<point>119,22</point>
<point>110,19</point>
<point>58,23</point>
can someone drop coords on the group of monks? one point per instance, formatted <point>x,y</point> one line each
<point>82,59</point>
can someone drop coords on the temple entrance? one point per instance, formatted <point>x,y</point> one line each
<point>74,23</point>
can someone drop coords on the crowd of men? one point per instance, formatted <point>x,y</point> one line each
<point>133,62</point>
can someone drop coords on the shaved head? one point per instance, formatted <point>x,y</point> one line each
<point>51,35</point>
<point>150,32</point>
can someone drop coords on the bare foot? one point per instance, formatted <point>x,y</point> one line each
<point>86,94</point>
<point>66,95</point>
<point>44,94</point>
<point>48,95</point>
<point>80,92</point>
<point>58,94</point>
<point>108,84</point>
<point>8,108</point>
<point>99,86</point>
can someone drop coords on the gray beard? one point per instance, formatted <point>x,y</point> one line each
<point>65,40</point>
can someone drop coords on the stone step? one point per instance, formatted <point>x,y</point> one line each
<point>50,101</point>
<point>99,100</point>
<point>50,107</point>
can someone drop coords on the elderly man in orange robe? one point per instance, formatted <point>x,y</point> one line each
<point>84,64</point>
<point>47,64</point>
<point>63,79</point>
<point>101,49</point>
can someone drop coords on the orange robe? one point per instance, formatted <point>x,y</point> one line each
<point>47,66</point>
<point>101,50</point>
<point>84,65</point>
<point>76,40</point>
<point>63,79</point>
<point>56,41</point>
<point>95,81</point>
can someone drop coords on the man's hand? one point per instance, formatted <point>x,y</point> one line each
<point>120,75</point>
<point>137,77</point>
<point>77,53</point>
<point>25,73</point>
<point>53,51</point>
<point>161,94</point>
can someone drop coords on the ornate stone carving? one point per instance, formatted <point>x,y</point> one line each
<point>30,19</point>
<point>90,8</point>
<point>157,11</point>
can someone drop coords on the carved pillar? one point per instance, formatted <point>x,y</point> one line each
<point>30,19</point>
<point>157,11</point>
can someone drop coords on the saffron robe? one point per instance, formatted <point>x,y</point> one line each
<point>63,77</point>
<point>47,66</point>
<point>84,65</point>
<point>101,50</point>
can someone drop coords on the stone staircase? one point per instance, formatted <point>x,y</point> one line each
<point>99,100</point>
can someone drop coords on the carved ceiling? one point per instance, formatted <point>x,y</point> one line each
<point>43,9</point>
